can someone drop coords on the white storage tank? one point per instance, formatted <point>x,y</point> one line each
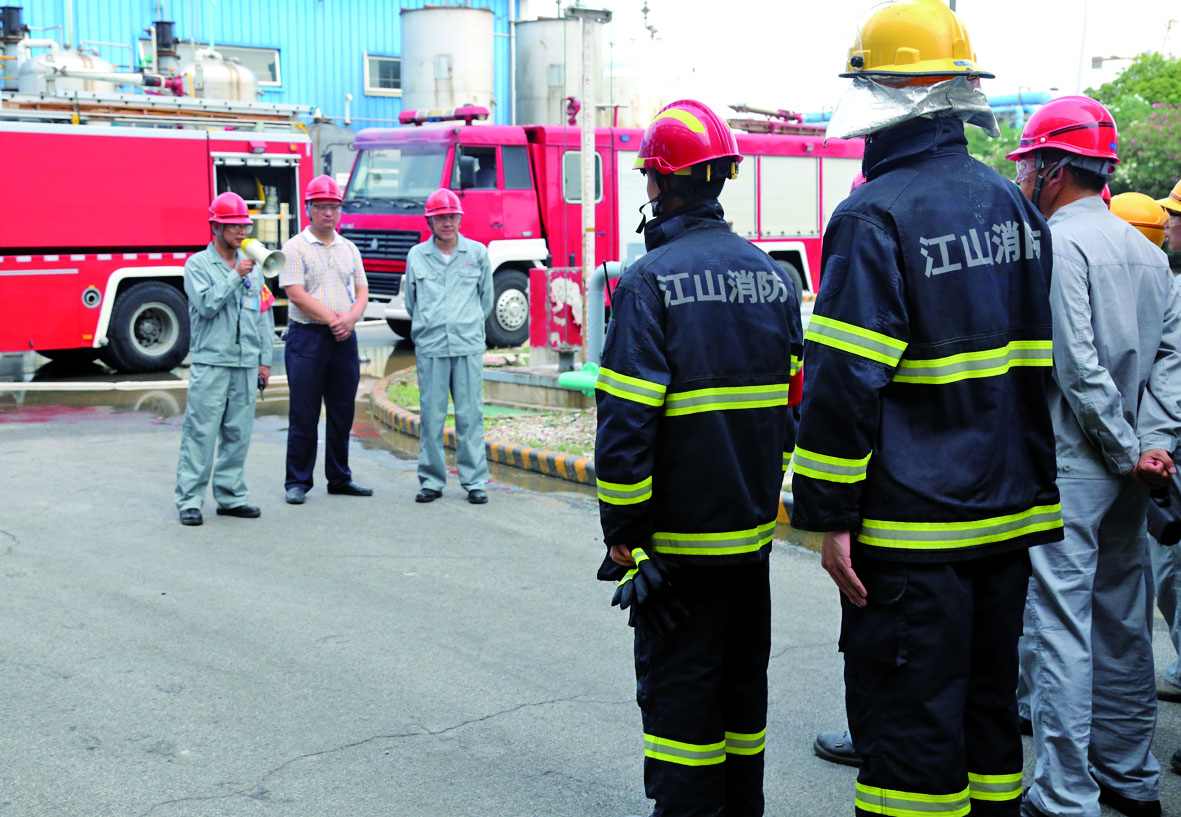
<point>447,57</point>
<point>214,77</point>
<point>36,75</point>
<point>549,69</point>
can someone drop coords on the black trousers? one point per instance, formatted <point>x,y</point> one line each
<point>930,685</point>
<point>702,691</point>
<point>320,369</point>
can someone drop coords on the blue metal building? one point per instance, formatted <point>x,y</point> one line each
<point>305,52</point>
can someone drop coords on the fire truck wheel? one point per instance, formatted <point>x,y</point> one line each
<point>399,328</point>
<point>508,325</point>
<point>794,274</point>
<point>149,329</point>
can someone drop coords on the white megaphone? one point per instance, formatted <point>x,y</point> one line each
<point>271,261</point>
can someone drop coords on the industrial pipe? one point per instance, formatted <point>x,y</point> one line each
<point>596,325</point>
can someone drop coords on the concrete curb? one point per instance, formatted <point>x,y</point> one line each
<point>550,463</point>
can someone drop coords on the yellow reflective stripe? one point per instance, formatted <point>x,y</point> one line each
<point>786,459</point>
<point>684,117</point>
<point>829,468</point>
<point>947,535</point>
<point>639,555</point>
<point>627,577</point>
<point>722,399</point>
<point>739,743</point>
<point>855,340</point>
<point>723,543</point>
<point>631,388</point>
<point>995,787</point>
<point>796,365</point>
<point>620,493</point>
<point>911,804</point>
<point>686,754</point>
<point>988,363</point>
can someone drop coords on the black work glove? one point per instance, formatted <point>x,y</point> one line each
<point>658,616</point>
<point>640,582</point>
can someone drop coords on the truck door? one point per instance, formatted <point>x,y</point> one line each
<point>475,177</point>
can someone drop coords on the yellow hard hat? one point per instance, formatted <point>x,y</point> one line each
<point>912,38</point>
<point>1172,202</point>
<point>1142,212</point>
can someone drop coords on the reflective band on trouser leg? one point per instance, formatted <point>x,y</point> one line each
<point>989,363</point>
<point>685,754</point>
<point>723,399</point>
<point>855,340</point>
<point>620,493</point>
<point>631,388</point>
<point>786,459</point>
<point>743,744</point>
<point>723,543</point>
<point>828,468</point>
<point>948,535</point>
<point>996,787</point>
<point>911,804</point>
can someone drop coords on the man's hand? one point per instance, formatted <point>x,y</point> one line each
<point>342,326</point>
<point>835,558</point>
<point>1155,469</point>
<point>265,373</point>
<point>622,555</point>
<point>245,265</point>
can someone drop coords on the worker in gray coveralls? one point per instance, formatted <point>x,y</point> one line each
<point>448,290</point>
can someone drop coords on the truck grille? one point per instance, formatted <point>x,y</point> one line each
<point>384,283</point>
<point>388,245</point>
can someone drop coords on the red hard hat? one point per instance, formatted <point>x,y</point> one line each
<point>1075,124</point>
<point>683,134</point>
<point>323,187</point>
<point>443,201</point>
<point>229,208</point>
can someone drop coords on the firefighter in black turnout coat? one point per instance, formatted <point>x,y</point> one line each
<point>700,371</point>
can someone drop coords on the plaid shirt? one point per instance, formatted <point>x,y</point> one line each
<point>330,273</point>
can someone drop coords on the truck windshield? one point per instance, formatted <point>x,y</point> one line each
<point>410,172</point>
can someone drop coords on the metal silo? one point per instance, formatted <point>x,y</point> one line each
<point>447,57</point>
<point>549,69</point>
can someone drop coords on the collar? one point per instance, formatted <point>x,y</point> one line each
<point>310,237</point>
<point>1087,204</point>
<point>702,213</point>
<point>458,248</point>
<point>917,139</point>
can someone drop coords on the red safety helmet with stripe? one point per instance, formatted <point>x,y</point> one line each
<point>323,188</point>
<point>442,202</point>
<point>687,133</point>
<point>1075,124</point>
<point>229,208</point>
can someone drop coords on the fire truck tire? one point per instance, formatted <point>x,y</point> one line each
<point>797,279</point>
<point>149,329</point>
<point>399,328</point>
<point>508,325</point>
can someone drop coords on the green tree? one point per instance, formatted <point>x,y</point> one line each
<point>992,151</point>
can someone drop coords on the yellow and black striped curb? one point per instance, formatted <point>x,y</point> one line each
<point>550,463</point>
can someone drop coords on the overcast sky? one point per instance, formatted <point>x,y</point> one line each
<point>787,53</point>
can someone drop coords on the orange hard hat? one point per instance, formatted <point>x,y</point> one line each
<point>1142,212</point>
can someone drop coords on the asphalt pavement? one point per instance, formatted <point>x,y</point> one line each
<point>350,656</point>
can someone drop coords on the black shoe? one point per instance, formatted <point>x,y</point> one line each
<point>1026,725</point>
<point>428,495</point>
<point>1175,761</point>
<point>350,488</point>
<point>296,495</point>
<point>191,516</point>
<point>476,496</point>
<point>240,511</point>
<point>836,747</point>
<point>1128,806</point>
<point>1166,691</point>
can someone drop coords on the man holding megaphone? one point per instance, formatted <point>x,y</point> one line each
<point>232,345</point>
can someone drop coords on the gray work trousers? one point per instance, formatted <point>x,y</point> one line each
<point>1086,652</point>
<point>463,377</point>
<point>1166,572</point>
<point>219,406</point>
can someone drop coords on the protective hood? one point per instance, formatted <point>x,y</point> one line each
<point>868,106</point>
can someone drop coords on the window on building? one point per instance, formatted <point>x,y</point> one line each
<point>572,177</point>
<point>262,62</point>
<point>383,75</point>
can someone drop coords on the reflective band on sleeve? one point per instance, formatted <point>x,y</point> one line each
<point>946,535</point>
<point>619,493</point>
<point>686,754</point>
<point>786,459</point>
<point>631,388</point>
<point>627,577</point>
<point>912,804</point>
<point>796,365</point>
<point>855,340</point>
<point>639,555</point>
<point>738,743</point>
<point>995,787</point>
<point>831,469</point>
<point>724,543</point>
<point>735,397</point>
<point>989,363</point>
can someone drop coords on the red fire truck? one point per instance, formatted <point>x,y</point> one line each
<point>108,194</point>
<point>521,193</point>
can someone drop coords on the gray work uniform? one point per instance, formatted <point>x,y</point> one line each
<point>1086,652</point>
<point>448,302</point>
<point>231,338</point>
<point>1166,573</point>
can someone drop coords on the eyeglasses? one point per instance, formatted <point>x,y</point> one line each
<point>325,208</point>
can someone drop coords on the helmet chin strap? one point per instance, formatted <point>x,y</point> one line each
<point>1039,177</point>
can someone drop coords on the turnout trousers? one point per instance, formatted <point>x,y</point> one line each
<point>320,369</point>
<point>219,406</point>
<point>1086,655</point>
<point>930,672</point>
<point>702,691</point>
<point>463,378</point>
